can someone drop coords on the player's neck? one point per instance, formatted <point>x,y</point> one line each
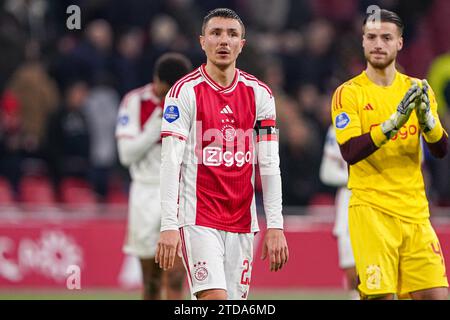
<point>381,77</point>
<point>224,76</point>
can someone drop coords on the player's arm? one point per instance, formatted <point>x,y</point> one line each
<point>434,134</point>
<point>354,145</point>
<point>174,131</point>
<point>275,245</point>
<point>333,168</point>
<point>133,148</point>
<point>169,242</point>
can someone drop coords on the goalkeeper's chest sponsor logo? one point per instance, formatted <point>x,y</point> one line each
<point>342,120</point>
<point>408,130</point>
<point>171,114</point>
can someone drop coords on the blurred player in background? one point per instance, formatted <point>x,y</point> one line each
<point>379,117</point>
<point>210,118</point>
<point>138,138</point>
<point>334,172</point>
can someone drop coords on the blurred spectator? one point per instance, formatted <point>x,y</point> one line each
<point>126,62</point>
<point>256,13</point>
<point>298,156</point>
<point>68,141</point>
<point>101,108</point>
<point>89,59</point>
<point>298,136</point>
<point>38,96</point>
<point>335,10</point>
<point>300,14</point>
<point>315,63</point>
<point>31,15</point>
<point>439,79</point>
<point>27,102</point>
<point>12,42</point>
<point>164,36</point>
<point>131,13</point>
<point>10,157</point>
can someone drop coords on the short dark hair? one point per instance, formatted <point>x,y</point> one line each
<point>388,16</point>
<point>170,67</point>
<point>222,13</point>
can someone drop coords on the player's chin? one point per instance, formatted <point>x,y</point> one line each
<point>223,61</point>
<point>379,63</point>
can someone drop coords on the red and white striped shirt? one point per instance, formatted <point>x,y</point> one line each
<point>141,110</point>
<point>218,167</point>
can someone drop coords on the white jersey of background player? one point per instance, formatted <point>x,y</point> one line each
<point>334,172</point>
<point>208,130</point>
<point>138,136</point>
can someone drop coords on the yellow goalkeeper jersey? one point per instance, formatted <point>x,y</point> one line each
<point>390,179</point>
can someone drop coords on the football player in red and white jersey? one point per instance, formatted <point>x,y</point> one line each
<point>139,145</point>
<point>217,122</point>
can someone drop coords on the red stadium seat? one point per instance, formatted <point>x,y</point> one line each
<point>76,191</point>
<point>117,197</point>
<point>322,199</point>
<point>6,194</point>
<point>116,191</point>
<point>36,190</point>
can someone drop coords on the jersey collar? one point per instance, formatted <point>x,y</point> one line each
<point>217,87</point>
<point>148,93</point>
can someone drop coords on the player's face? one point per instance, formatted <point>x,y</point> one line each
<point>381,43</point>
<point>222,41</point>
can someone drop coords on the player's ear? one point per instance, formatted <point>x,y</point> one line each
<point>243,41</point>
<point>363,37</point>
<point>400,43</point>
<point>201,39</point>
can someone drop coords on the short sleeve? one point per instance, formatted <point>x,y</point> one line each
<point>177,114</point>
<point>344,114</point>
<point>128,117</point>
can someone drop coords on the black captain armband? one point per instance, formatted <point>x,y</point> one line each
<point>266,130</point>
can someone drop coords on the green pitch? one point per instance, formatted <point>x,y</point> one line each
<point>88,294</point>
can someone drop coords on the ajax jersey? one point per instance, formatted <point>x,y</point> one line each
<point>139,108</point>
<point>217,174</point>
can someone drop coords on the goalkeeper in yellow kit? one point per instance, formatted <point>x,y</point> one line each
<point>380,117</point>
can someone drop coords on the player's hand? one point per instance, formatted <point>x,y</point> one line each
<point>423,111</point>
<point>169,245</point>
<point>276,247</point>
<point>391,126</point>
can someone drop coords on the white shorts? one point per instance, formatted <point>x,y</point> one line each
<point>216,259</point>
<point>346,259</point>
<point>340,229</point>
<point>144,220</point>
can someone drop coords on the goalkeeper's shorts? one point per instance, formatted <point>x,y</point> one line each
<point>394,256</point>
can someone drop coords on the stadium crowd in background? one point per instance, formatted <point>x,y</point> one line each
<point>60,89</point>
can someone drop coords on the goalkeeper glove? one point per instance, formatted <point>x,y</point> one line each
<point>423,111</point>
<point>391,126</point>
